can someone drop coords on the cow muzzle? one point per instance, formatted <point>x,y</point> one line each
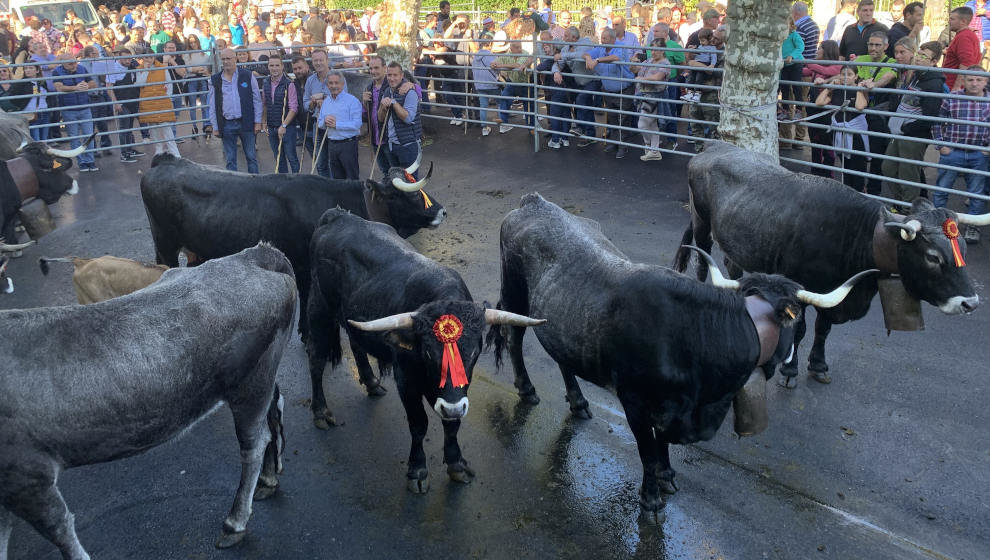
<point>74,189</point>
<point>439,218</point>
<point>957,305</point>
<point>448,411</point>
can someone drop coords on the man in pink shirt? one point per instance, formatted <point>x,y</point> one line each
<point>964,50</point>
<point>280,104</point>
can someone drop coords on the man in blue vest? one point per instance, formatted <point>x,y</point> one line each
<point>236,110</point>
<point>281,105</point>
<point>400,113</point>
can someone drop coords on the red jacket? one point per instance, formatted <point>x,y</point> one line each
<point>963,51</point>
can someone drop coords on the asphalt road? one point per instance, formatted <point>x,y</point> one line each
<point>890,461</point>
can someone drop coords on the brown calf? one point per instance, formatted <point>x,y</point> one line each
<point>107,277</point>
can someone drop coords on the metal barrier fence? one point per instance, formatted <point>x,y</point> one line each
<point>570,110</point>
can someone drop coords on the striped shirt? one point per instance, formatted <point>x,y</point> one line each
<point>808,29</point>
<point>967,110</point>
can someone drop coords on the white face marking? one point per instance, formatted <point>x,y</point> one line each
<point>10,286</point>
<point>790,355</point>
<point>449,411</point>
<point>954,306</point>
<point>74,189</point>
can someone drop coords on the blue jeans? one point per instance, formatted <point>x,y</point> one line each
<point>586,102</point>
<point>79,122</point>
<point>403,156</point>
<point>231,132</point>
<point>40,134</point>
<point>524,91</point>
<point>484,99</point>
<point>975,184</point>
<point>199,90</point>
<point>289,159</point>
<point>177,104</point>
<point>558,127</point>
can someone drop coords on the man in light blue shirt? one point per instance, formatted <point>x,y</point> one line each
<point>616,79</point>
<point>340,124</point>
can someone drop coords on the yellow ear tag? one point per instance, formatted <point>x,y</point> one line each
<point>426,200</point>
<point>790,313</point>
<point>56,164</point>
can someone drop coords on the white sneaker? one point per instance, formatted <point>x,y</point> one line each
<point>652,155</point>
<point>564,143</point>
<point>689,96</point>
<point>553,144</point>
<point>503,128</point>
<point>456,122</point>
<point>486,130</point>
<point>696,97</point>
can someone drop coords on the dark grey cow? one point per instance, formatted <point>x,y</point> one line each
<point>819,232</point>
<point>675,351</point>
<point>89,384</point>
<point>396,305</point>
<point>208,212</point>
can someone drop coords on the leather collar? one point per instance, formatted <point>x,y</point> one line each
<point>885,249</point>
<point>24,177</point>
<point>767,329</point>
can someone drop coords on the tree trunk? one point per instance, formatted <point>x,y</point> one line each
<point>215,12</point>
<point>748,117</point>
<point>400,27</point>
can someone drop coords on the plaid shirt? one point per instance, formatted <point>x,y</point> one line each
<point>967,110</point>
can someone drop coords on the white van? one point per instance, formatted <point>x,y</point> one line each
<point>55,10</point>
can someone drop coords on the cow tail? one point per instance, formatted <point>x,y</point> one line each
<point>683,255</point>
<point>43,262</point>
<point>496,339</point>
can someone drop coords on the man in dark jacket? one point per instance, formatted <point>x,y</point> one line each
<point>910,26</point>
<point>855,37</point>
<point>913,132</point>
<point>124,95</point>
<point>235,110</point>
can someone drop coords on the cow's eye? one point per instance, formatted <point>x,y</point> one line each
<point>933,258</point>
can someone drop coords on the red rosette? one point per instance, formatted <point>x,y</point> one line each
<point>448,330</point>
<point>951,230</point>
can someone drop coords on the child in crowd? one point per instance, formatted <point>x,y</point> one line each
<point>707,57</point>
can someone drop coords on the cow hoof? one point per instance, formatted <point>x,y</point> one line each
<point>651,516</point>
<point>581,412</point>
<point>228,540</point>
<point>460,472</point>
<point>324,421</point>
<point>787,382</point>
<point>667,484</point>
<point>419,485</point>
<point>263,492</point>
<point>821,376</point>
<point>376,391</point>
<point>530,397</point>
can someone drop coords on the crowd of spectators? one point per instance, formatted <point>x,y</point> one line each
<point>646,71</point>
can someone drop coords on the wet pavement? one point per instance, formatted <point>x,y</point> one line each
<point>890,461</point>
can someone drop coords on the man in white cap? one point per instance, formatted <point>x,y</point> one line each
<point>487,28</point>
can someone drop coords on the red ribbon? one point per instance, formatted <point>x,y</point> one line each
<point>448,329</point>
<point>951,230</point>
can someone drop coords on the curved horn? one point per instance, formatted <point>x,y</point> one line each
<point>412,187</point>
<point>718,280</point>
<point>72,153</point>
<point>415,165</point>
<point>971,220</point>
<point>15,247</point>
<point>21,147</point>
<point>834,297</point>
<point>909,229</point>
<point>390,323</point>
<point>499,317</point>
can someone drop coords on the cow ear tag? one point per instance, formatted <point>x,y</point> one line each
<point>56,164</point>
<point>448,329</point>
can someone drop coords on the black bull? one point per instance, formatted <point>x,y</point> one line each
<point>96,383</point>
<point>393,302</point>
<point>818,232</point>
<point>213,213</point>
<point>676,352</point>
